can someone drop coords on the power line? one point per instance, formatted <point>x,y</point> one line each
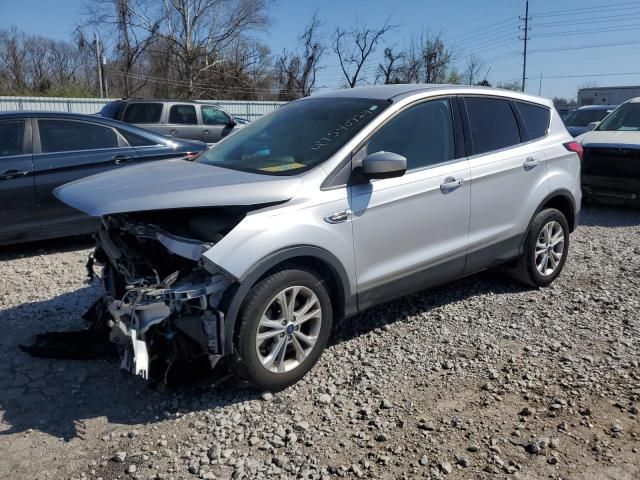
<point>583,32</point>
<point>471,32</point>
<point>593,75</point>
<point>586,10</point>
<point>582,47</point>
<point>587,21</point>
<point>207,86</point>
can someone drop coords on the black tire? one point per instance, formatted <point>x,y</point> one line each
<point>246,362</point>
<point>524,270</point>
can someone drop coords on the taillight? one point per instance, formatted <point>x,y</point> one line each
<point>191,155</point>
<point>575,147</point>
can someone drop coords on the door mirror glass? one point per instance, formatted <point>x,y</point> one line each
<point>593,125</point>
<point>384,165</point>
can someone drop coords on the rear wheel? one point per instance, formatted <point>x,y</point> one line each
<point>545,249</point>
<point>284,325</point>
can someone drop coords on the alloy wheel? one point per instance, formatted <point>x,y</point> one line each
<point>288,329</point>
<point>549,248</point>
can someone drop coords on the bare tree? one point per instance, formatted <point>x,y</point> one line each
<point>296,71</point>
<point>389,69</point>
<point>13,60</point>
<point>472,69</point>
<point>198,31</point>
<point>354,47</point>
<point>117,19</point>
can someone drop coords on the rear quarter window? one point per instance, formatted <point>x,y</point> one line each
<point>536,119</point>
<point>143,113</point>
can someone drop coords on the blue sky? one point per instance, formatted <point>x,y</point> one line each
<point>467,24</point>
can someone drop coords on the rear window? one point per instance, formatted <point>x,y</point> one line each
<point>493,124</point>
<point>67,136</point>
<point>183,115</point>
<point>11,138</point>
<point>536,119</point>
<point>143,113</point>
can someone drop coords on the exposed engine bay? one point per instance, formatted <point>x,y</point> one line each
<point>160,300</point>
<point>162,303</point>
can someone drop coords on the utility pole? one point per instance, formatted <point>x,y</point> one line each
<point>526,38</point>
<point>540,86</point>
<point>98,62</point>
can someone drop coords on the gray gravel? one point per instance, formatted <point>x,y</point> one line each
<point>477,379</point>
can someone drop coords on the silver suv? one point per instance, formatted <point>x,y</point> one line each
<point>320,210</point>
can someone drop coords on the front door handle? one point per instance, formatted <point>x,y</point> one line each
<point>173,130</point>
<point>8,174</point>
<point>451,183</point>
<point>118,159</point>
<point>338,217</point>
<point>530,163</point>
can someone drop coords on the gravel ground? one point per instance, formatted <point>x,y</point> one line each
<point>476,379</point>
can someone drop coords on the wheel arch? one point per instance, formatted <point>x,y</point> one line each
<point>322,261</point>
<point>561,200</point>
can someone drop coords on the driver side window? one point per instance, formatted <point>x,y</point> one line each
<point>423,134</point>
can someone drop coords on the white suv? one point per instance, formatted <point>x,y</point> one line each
<point>319,210</point>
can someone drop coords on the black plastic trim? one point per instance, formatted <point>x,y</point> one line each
<point>233,299</point>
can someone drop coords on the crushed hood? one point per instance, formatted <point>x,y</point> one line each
<point>171,184</point>
<point>616,138</point>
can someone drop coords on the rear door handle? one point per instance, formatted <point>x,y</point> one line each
<point>118,159</point>
<point>173,130</point>
<point>8,174</point>
<point>530,163</point>
<point>451,183</point>
<point>206,131</point>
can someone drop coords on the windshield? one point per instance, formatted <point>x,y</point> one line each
<point>296,137</point>
<point>582,118</point>
<point>624,118</point>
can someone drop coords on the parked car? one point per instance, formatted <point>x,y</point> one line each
<point>42,150</point>
<point>580,121</point>
<point>322,209</point>
<point>175,118</point>
<point>611,165</point>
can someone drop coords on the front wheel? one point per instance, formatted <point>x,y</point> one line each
<point>284,325</point>
<point>545,249</point>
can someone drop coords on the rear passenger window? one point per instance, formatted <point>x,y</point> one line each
<point>183,114</point>
<point>493,124</point>
<point>536,119</point>
<point>143,113</point>
<point>67,136</point>
<point>11,138</point>
<point>423,134</point>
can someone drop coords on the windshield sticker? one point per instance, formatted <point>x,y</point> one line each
<point>342,128</point>
<point>282,168</point>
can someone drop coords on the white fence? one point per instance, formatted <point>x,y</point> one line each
<point>239,108</point>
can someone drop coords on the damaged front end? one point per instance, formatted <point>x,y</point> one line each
<point>161,299</point>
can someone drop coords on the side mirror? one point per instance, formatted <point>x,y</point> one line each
<point>384,165</point>
<point>592,125</point>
